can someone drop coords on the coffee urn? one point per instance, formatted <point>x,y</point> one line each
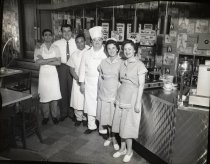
<point>185,74</point>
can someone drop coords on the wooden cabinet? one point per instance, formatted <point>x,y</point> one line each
<point>33,22</point>
<point>29,22</point>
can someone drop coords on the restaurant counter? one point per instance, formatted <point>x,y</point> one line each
<point>174,134</point>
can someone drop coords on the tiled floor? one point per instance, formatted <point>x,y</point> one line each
<point>66,143</point>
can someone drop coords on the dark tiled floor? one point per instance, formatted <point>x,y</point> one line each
<point>66,143</point>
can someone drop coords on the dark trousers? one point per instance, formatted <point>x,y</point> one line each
<point>65,79</point>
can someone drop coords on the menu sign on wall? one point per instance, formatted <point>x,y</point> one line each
<point>181,42</point>
<point>105,29</point>
<point>134,36</point>
<point>115,34</point>
<point>147,37</point>
<point>128,30</point>
<point>201,26</point>
<point>168,58</point>
<point>121,31</point>
<point>147,26</point>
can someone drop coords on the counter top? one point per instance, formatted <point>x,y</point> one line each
<point>169,96</point>
<point>194,108</point>
<point>9,72</point>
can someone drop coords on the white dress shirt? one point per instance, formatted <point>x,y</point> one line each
<point>62,46</point>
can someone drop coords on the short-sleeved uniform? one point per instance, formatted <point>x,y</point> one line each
<point>77,98</point>
<point>126,121</point>
<point>107,89</point>
<point>49,87</point>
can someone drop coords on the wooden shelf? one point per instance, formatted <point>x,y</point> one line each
<point>84,3</point>
<point>195,55</point>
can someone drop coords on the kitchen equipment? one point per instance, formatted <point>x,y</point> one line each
<point>207,62</point>
<point>154,76</point>
<point>185,70</point>
<point>153,84</point>
<point>169,78</point>
<point>168,86</point>
<point>202,96</point>
<point>185,66</point>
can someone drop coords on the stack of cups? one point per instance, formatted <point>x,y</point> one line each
<point>168,83</point>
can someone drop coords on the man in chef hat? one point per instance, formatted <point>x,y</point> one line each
<point>88,76</point>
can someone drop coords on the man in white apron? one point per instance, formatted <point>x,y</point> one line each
<point>88,75</point>
<point>77,97</point>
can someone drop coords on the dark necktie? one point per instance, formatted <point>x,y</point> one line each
<point>67,51</point>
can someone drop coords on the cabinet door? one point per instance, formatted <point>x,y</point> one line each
<point>33,22</point>
<point>45,21</point>
<point>29,22</point>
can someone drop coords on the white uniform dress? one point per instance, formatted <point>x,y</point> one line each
<point>49,87</point>
<point>108,85</point>
<point>89,74</point>
<point>77,98</point>
<point>126,121</point>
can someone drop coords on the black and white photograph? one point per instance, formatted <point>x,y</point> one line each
<point>104,81</point>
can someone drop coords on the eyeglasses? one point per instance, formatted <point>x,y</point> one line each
<point>98,40</point>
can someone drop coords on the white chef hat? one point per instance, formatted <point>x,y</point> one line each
<point>96,32</point>
<point>112,38</point>
<point>133,40</point>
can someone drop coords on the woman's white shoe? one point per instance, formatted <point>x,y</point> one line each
<point>127,158</point>
<point>118,154</point>
<point>107,143</point>
<point>116,147</point>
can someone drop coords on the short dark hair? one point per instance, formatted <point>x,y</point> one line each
<point>80,35</point>
<point>46,30</point>
<point>112,42</point>
<point>66,26</point>
<point>128,41</point>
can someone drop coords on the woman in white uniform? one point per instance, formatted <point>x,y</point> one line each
<point>108,84</point>
<point>128,101</point>
<point>48,56</point>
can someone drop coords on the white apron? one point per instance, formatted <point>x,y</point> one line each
<point>91,80</point>
<point>49,87</point>
<point>77,98</point>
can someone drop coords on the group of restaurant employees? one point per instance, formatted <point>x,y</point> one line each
<point>106,88</point>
